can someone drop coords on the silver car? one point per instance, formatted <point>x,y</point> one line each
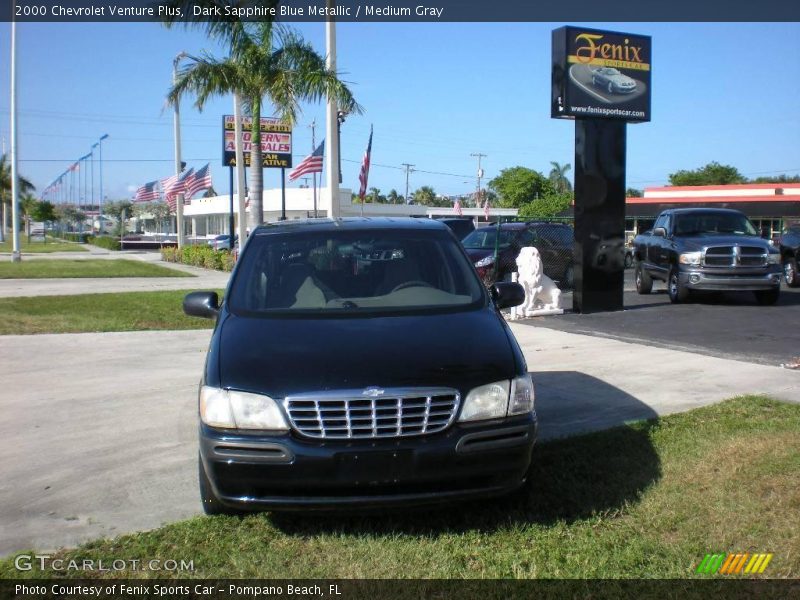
<point>613,81</point>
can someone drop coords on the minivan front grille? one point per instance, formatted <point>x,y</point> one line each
<point>735,256</point>
<point>372,413</point>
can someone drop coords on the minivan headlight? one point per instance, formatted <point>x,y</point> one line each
<point>486,402</point>
<point>240,410</point>
<point>773,258</point>
<point>485,261</point>
<point>691,258</point>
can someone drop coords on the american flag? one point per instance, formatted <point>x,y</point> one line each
<point>364,175</point>
<point>200,181</point>
<point>148,192</point>
<point>310,164</point>
<point>177,187</point>
<point>457,207</point>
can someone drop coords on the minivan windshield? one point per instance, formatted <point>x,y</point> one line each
<point>369,270</point>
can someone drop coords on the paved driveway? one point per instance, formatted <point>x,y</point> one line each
<point>98,431</point>
<point>730,325</point>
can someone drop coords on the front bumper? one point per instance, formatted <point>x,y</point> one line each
<point>289,472</point>
<point>740,279</point>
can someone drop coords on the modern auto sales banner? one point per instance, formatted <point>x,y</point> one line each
<point>276,142</point>
<point>600,74</point>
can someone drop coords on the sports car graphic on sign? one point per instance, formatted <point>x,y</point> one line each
<point>613,81</point>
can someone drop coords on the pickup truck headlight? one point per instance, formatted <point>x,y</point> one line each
<point>240,410</point>
<point>691,258</point>
<point>773,258</point>
<point>486,261</point>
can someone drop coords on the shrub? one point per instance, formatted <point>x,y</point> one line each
<point>104,241</point>
<point>74,237</point>
<point>200,256</point>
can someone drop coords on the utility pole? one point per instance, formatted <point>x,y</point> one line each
<point>331,120</point>
<point>409,170</point>
<point>480,176</point>
<point>16,255</point>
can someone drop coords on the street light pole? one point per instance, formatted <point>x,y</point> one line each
<point>177,130</point>
<point>16,255</point>
<point>331,120</point>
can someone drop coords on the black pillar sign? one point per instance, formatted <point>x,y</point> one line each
<point>600,74</point>
<point>276,142</point>
<point>602,80</point>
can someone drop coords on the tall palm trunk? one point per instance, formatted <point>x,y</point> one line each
<point>256,168</point>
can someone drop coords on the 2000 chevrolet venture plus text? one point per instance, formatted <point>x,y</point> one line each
<point>360,362</point>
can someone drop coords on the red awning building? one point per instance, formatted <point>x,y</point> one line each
<point>770,206</point>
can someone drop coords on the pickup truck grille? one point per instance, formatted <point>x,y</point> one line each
<point>735,256</point>
<point>368,414</point>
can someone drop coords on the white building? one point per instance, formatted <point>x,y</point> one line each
<point>205,217</point>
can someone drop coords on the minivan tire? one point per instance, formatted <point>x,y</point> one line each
<point>790,271</point>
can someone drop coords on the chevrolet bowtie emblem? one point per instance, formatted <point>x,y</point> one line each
<point>373,392</point>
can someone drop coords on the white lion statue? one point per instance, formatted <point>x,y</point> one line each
<point>541,294</point>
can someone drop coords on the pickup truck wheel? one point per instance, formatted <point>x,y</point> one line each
<point>790,271</point>
<point>211,504</point>
<point>767,297</point>
<point>644,283</point>
<point>677,291</point>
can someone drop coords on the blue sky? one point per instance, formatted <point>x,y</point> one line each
<point>435,92</point>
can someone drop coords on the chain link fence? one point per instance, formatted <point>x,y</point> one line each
<point>494,248</point>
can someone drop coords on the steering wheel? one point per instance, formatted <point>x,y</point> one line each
<point>413,283</point>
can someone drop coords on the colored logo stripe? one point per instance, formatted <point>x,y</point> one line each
<point>734,564</point>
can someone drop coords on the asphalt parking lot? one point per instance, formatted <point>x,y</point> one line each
<point>725,325</point>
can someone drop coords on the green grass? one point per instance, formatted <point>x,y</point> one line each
<point>38,246</point>
<point>131,311</point>
<point>645,500</point>
<point>45,269</point>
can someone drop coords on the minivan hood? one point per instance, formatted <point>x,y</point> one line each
<point>284,356</point>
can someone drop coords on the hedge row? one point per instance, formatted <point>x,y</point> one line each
<point>200,256</point>
<point>103,241</point>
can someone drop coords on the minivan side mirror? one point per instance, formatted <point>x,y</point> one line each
<point>507,294</point>
<point>201,304</point>
<point>660,232</point>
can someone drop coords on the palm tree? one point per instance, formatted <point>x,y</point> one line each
<point>5,191</point>
<point>266,61</point>
<point>392,197</point>
<point>558,177</point>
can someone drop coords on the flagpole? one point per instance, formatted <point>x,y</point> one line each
<point>240,182</point>
<point>314,174</point>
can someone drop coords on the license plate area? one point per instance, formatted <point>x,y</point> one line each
<point>370,468</point>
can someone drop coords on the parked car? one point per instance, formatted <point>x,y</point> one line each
<point>461,226</point>
<point>613,81</point>
<point>555,242</point>
<point>360,362</point>
<point>223,242</point>
<point>707,249</point>
<point>789,245</point>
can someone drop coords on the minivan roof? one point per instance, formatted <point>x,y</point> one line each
<point>349,223</point>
